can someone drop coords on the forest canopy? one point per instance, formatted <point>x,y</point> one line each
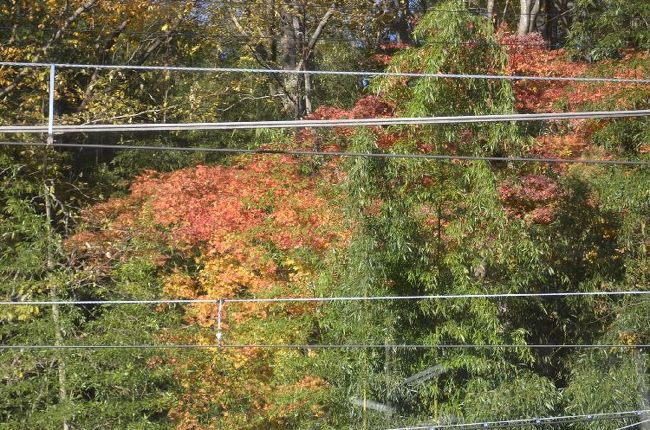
<point>154,280</point>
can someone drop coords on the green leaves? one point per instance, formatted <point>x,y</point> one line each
<point>605,29</point>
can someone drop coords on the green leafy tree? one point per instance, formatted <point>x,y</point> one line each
<point>71,388</point>
<point>425,228</point>
<point>604,29</point>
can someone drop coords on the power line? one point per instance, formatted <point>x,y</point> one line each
<point>437,297</point>
<point>532,421</point>
<point>343,346</point>
<point>324,299</point>
<point>369,6</point>
<point>529,422</point>
<point>330,72</point>
<point>335,154</point>
<point>360,38</point>
<point>317,123</point>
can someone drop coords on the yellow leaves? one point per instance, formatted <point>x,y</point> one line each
<point>290,262</point>
<point>591,255</point>
<point>630,338</point>
<point>241,362</point>
<point>608,233</point>
<point>312,382</point>
<point>179,285</point>
<point>298,273</point>
<point>19,313</point>
<point>224,277</point>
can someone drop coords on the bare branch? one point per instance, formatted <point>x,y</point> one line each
<point>309,49</point>
<point>132,115</point>
<point>243,99</point>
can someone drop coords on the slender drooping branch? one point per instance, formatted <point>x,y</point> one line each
<point>131,115</point>
<point>291,86</point>
<point>240,28</point>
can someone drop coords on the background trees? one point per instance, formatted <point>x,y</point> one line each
<point>213,227</point>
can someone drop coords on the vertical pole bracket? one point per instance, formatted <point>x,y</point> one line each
<point>50,112</point>
<point>219,313</point>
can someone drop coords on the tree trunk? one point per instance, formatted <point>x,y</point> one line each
<point>290,49</point>
<point>58,340</point>
<point>298,22</point>
<point>56,316</point>
<point>490,9</point>
<point>288,61</point>
<point>308,94</point>
<point>297,52</point>
<point>532,16</point>
<point>271,32</point>
<point>557,21</point>
<point>526,17</point>
<point>401,22</point>
<point>105,52</point>
<point>549,29</point>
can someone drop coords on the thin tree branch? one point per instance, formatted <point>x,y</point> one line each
<point>260,60</point>
<point>107,47</point>
<point>243,99</point>
<point>309,49</point>
<point>72,18</point>
<point>132,115</point>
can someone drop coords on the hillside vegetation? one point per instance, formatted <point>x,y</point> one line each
<point>90,224</point>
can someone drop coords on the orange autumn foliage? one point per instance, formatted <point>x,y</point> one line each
<point>529,56</point>
<point>250,229</point>
<point>204,205</point>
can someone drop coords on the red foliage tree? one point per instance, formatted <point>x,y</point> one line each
<point>532,198</point>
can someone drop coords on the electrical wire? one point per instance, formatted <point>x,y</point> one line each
<point>202,35</point>
<point>343,346</point>
<point>353,10</point>
<point>566,419</point>
<point>262,151</point>
<point>323,299</point>
<point>330,72</point>
<point>334,153</point>
<point>438,297</point>
<point>356,122</point>
<point>360,39</point>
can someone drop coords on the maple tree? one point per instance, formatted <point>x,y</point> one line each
<point>252,229</point>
